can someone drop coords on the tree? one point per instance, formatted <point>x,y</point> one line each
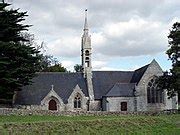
<point>55,68</point>
<point>47,62</point>
<point>19,61</point>
<point>171,80</point>
<point>78,68</point>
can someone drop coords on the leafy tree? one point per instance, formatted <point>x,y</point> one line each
<point>55,68</point>
<point>171,80</point>
<point>18,59</point>
<point>51,64</point>
<point>47,62</point>
<point>78,68</point>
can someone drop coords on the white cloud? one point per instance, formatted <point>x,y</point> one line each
<point>134,38</point>
<point>98,64</point>
<point>65,47</point>
<point>134,67</point>
<point>68,64</point>
<point>98,39</point>
<point>119,28</point>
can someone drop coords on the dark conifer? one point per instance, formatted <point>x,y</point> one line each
<point>19,60</point>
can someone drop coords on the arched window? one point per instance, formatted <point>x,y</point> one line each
<point>52,105</point>
<point>87,53</point>
<point>87,58</point>
<point>87,61</point>
<point>154,95</point>
<point>77,101</point>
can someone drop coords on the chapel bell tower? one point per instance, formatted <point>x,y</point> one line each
<point>86,59</point>
<point>86,50</point>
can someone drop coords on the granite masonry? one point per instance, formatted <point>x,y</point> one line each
<point>122,91</point>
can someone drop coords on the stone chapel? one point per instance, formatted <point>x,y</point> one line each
<point>96,90</point>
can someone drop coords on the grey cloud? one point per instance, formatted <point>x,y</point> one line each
<point>147,40</point>
<point>54,19</point>
<point>123,48</point>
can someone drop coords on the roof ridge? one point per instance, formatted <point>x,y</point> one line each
<point>138,73</point>
<point>142,67</point>
<point>125,83</point>
<point>113,71</point>
<point>58,72</point>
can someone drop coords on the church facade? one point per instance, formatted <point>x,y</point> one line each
<point>96,90</point>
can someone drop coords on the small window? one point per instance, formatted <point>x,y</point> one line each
<point>77,101</point>
<point>87,58</point>
<point>123,106</point>
<point>87,64</point>
<point>87,53</point>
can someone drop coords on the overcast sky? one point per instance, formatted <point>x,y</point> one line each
<point>125,34</point>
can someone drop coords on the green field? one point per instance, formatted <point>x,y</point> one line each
<point>86,125</point>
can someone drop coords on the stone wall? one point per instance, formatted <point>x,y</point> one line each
<point>22,112</point>
<point>84,100</point>
<point>141,89</point>
<point>52,95</point>
<point>114,103</point>
<point>95,105</point>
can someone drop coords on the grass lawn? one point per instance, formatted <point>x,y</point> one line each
<point>86,125</point>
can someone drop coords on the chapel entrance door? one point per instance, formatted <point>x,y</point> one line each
<point>52,105</point>
<point>123,106</point>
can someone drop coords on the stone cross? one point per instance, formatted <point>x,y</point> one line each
<point>52,87</point>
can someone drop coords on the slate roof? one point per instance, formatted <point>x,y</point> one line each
<point>122,90</point>
<point>105,83</point>
<point>64,83</point>
<point>138,74</point>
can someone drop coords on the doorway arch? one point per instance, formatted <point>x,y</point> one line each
<point>52,105</point>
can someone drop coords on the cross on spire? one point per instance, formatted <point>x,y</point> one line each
<point>85,23</point>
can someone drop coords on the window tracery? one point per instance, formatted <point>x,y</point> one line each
<point>153,94</point>
<point>77,101</point>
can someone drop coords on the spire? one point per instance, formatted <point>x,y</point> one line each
<point>85,23</point>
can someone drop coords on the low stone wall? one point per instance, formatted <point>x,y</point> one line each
<point>22,112</point>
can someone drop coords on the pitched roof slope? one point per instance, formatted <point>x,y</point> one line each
<point>138,74</point>
<point>122,90</point>
<point>103,81</point>
<point>64,83</point>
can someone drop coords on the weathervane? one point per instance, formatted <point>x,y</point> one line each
<point>86,12</point>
